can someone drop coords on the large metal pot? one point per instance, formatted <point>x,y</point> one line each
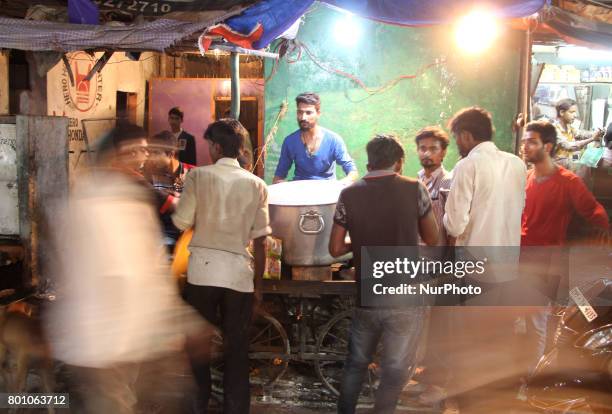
<point>301,214</point>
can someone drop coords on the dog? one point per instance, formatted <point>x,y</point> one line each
<point>23,345</point>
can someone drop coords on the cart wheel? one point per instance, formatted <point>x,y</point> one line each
<point>269,352</point>
<point>332,349</point>
<point>269,348</point>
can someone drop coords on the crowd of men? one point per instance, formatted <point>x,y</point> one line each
<point>489,199</point>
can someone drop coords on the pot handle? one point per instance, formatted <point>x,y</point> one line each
<point>312,214</point>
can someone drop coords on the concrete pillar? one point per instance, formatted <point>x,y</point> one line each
<point>42,168</point>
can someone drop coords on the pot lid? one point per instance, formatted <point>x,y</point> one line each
<point>304,192</point>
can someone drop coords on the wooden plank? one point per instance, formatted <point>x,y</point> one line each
<point>4,83</point>
<point>315,273</point>
<point>310,288</point>
<point>42,165</point>
<point>251,67</point>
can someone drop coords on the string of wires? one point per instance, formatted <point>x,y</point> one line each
<point>292,51</point>
<point>279,116</point>
<point>118,61</point>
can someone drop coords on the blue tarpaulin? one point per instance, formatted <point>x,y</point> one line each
<point>83,12</point>
<point>263,22</point>
<point>424,12</point>
<point>260,24</point>
<point>276,16</point>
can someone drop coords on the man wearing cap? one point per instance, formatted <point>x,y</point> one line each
<point>167,174</point>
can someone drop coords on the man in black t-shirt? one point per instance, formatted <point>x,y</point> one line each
<point>382,209</point>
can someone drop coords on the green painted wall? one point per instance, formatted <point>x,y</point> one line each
<point>383,53</point>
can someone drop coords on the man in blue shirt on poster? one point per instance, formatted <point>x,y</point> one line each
<point>314,149</point>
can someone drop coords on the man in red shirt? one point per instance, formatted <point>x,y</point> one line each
<point>553,193</point>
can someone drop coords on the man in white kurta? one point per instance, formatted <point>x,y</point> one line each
<point>227,207</point>
<point>487,194</point>
<point>483,215</point>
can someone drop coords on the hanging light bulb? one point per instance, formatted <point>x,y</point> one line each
<point>476,31</point>
<point>347,30</point>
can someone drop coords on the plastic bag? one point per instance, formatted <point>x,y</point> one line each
<point>181,254</point>
<point>274,250</point>
<point>591,156</point>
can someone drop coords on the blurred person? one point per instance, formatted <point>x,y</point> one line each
<point>553,195</point>
<point>313,149</point>
<point>117,306</point>
<point>227,207</point>
<point>167,175</point>
<point>382,209</point>
<point>570,141</point>
<point>186,141</point>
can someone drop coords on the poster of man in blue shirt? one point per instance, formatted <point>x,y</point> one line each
<point>314,149</point>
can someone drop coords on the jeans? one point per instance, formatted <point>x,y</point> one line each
<point>439,347</point>
<point>537,334</point>
<point>231,311</point>
<point>398,330</point>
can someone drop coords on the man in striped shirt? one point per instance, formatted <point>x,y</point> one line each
<point>431,143</point>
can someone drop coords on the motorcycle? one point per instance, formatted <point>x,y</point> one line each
<point>575,376</point>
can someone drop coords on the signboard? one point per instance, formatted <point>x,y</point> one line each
<point>9,199</point>
<point>91,105</point>
<point>161,7</point>
<point>85,94</point>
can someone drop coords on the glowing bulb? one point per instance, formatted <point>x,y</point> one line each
<point>226,87</point>
<point>346,31</point>
<point>476,31</point>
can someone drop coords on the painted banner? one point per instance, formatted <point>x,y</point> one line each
<point>91,104</point>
